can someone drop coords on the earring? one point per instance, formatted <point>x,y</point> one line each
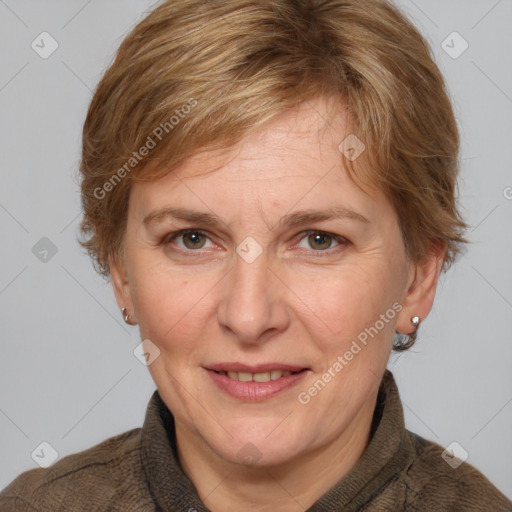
<point>404,341</point>
<point>126,315</point>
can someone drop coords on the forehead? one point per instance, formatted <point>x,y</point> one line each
<point>309,132</point>
<point>294,157</point>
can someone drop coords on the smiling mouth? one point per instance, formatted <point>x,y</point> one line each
<point>258,377</point>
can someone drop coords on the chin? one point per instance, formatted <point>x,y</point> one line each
<point>256,450</point>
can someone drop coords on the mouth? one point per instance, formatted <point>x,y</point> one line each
<point>255,383</point>
<point>259,376</point>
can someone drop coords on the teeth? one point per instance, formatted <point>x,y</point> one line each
<point>277,374</point>
<point>257,377</point>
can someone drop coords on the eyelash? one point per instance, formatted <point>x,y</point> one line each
<point>320,252</point>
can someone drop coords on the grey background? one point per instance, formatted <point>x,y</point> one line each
<point>67,372</point>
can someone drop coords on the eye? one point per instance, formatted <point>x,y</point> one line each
<point>191,239</point>
<point>321,241</point>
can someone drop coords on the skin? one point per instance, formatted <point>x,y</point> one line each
<point>302,301</point>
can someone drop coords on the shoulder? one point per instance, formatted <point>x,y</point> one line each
<point>85,480</point>
<point>433,484</point>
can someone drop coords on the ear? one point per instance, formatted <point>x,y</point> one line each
<point>122,289</point>
<point>421,289</point>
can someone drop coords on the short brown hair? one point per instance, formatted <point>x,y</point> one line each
<point>196,75</point>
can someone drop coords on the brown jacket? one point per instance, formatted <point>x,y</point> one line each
<point>138,471</point>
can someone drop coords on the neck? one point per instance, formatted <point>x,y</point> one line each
<point>293,485</point>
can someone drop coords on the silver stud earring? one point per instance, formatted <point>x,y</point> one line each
<point>405,341</point>
<point>126,315</point>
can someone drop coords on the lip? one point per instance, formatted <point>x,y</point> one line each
<point>258,368</point>
<point>256,391</point>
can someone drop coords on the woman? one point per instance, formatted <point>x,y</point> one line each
<point>270,187</point>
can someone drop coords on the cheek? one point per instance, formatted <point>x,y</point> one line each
<point>345,301</point>
<point>169,306</point>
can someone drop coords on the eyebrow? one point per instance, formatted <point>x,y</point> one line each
<point>292,219</point>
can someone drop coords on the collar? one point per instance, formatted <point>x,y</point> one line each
<point>388,451</point>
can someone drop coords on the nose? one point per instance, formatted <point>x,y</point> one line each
<point>253,305</point>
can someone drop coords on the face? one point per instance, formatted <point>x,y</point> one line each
<point>284,264</point>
